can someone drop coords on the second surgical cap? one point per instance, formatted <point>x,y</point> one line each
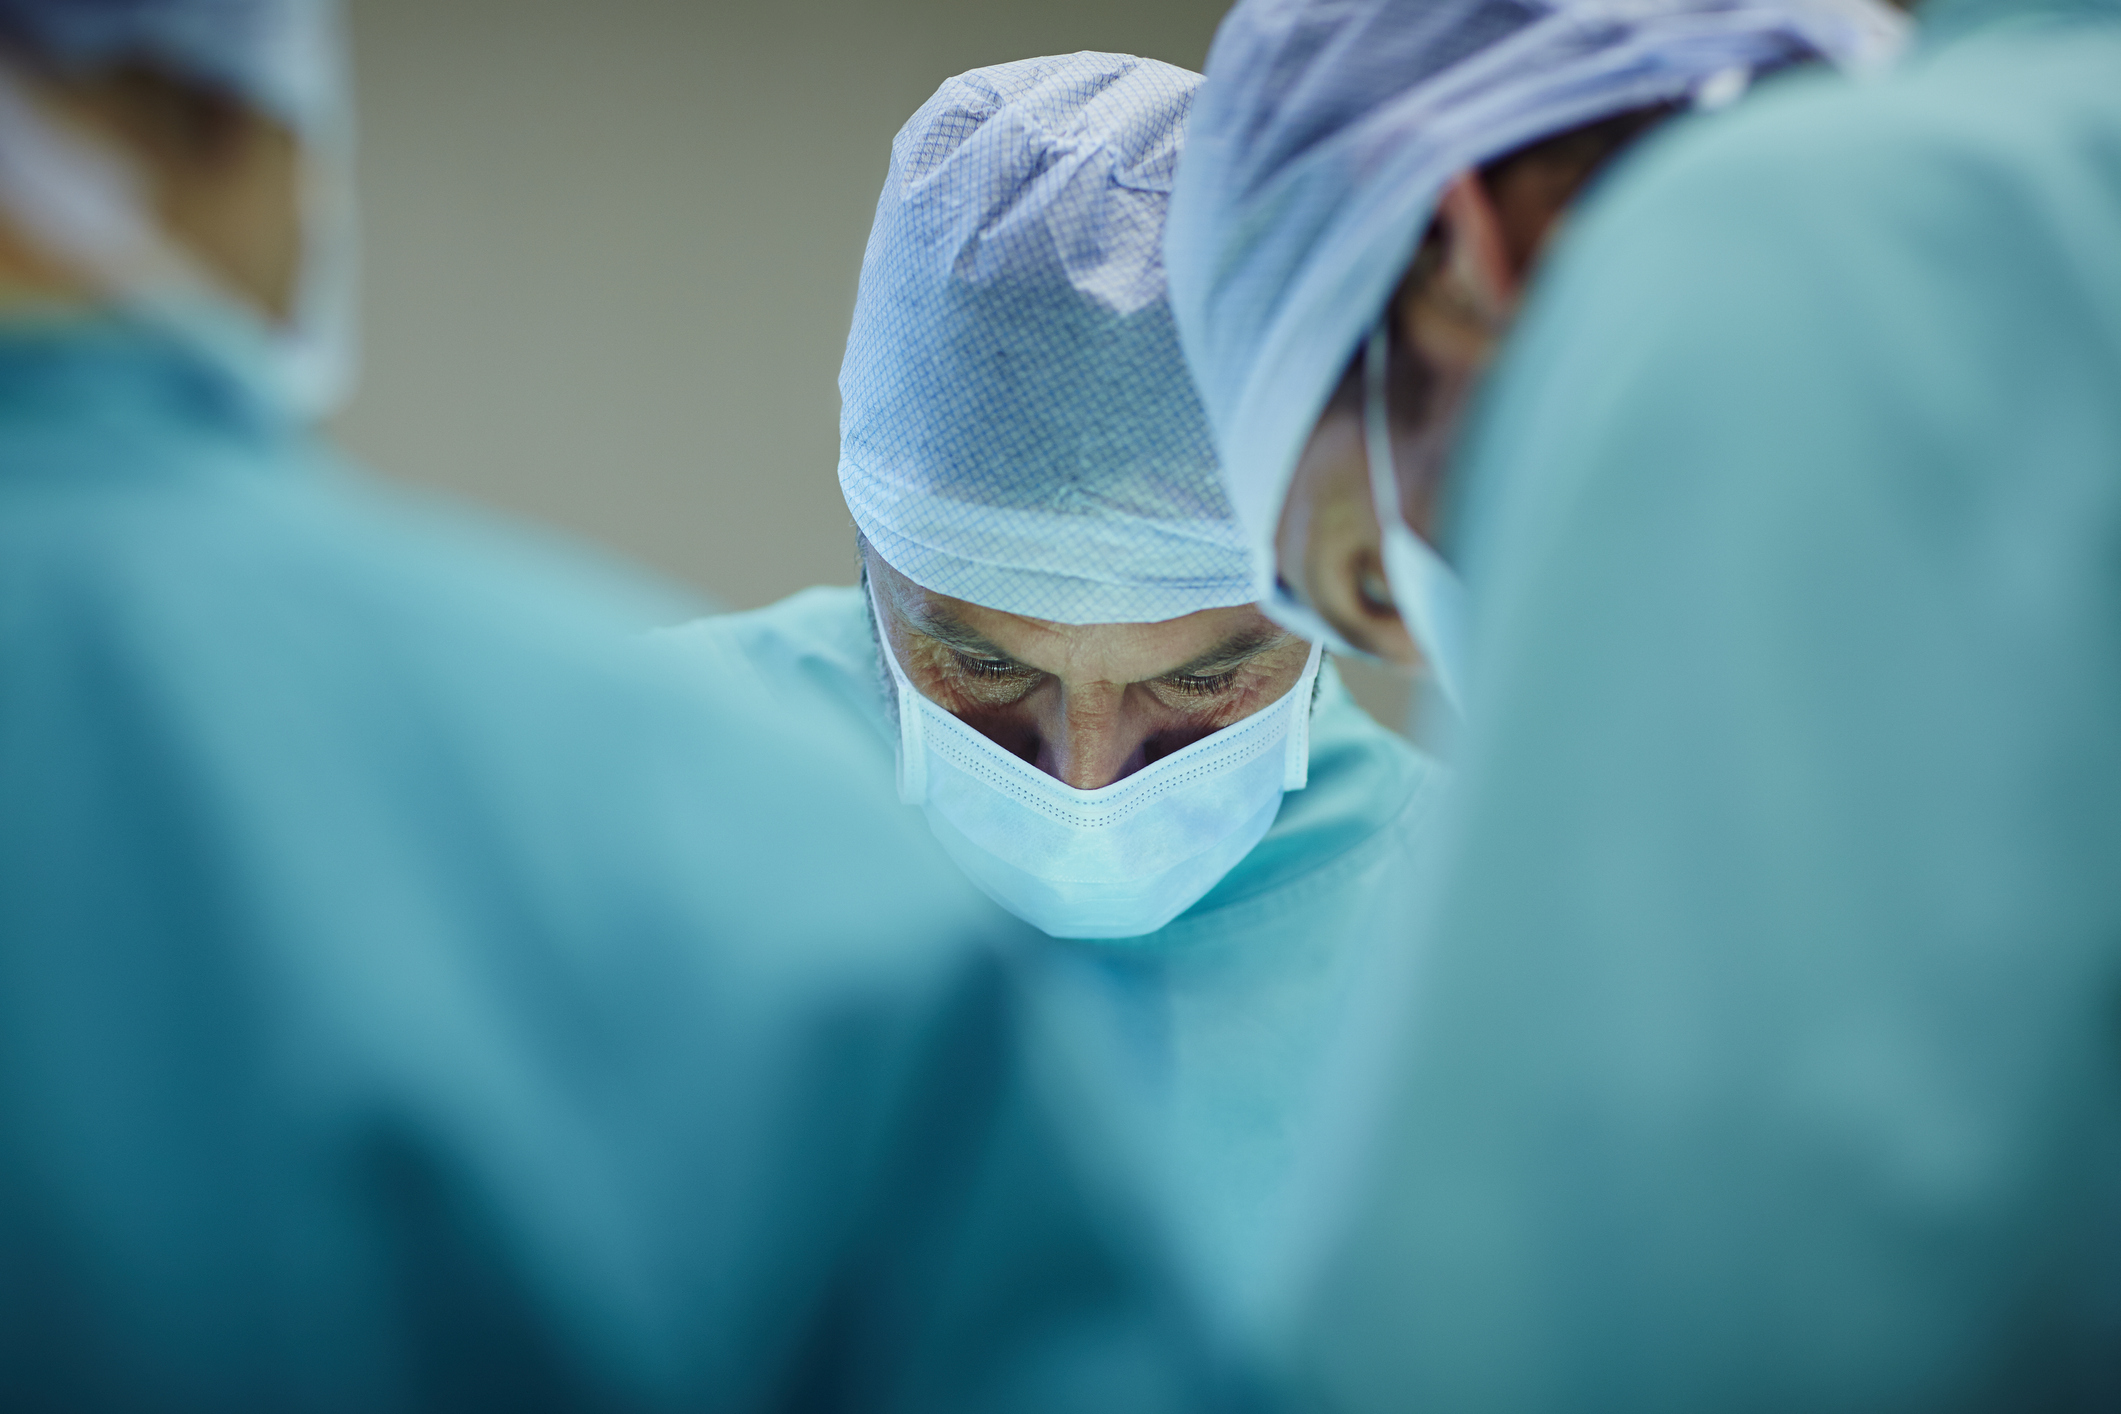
<point>284,57</point>
<point>1326,131</point>
<point>1018,427</point>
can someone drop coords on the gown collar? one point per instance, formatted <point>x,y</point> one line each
<point>81,370</point>
<point>1946,21</point>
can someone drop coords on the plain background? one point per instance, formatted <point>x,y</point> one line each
<point>611,249</point>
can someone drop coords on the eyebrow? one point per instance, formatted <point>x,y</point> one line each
<point>1226,656</point>
<point>945,628</point>
<point>1232,653</point>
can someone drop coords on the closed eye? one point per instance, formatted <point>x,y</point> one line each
<point>989,669</point>
<point>1201,685</point>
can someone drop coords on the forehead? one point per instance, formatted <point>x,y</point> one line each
<point>1072,652</point>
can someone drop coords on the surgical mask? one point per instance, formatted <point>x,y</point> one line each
<point>85,206</point>
<point>1116,862</point>
<point>1430,597</point>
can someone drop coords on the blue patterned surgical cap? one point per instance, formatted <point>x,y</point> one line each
<point>1018,428</point>
<point>1326,129</point>
<point>284,57</point>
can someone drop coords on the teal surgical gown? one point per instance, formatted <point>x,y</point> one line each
<point>411,998</point>
<point>1221,1024</point>
<point>1765,1048</point>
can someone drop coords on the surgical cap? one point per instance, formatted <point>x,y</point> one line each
<point>1326,130</point>
<point>1018,428</point>
<point>282,56</point>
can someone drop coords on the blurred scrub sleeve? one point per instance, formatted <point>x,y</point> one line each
<point>410,996</point>
<point>1217,1027</point>
<point>1765,1051</point>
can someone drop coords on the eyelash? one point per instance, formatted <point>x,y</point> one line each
<point>991,669</point>
<point>1001,670</point>
<point>1203,686</point>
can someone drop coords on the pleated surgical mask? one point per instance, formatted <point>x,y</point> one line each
<point>1116,862</point>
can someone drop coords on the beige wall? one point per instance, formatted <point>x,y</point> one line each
<point>611,250</point>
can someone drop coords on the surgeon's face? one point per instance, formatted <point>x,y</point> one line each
<point>1445,323</point>
<point>1086,703</point>
<point>1328,546</point>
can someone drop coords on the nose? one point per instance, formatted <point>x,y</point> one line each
<point>1091,736</point>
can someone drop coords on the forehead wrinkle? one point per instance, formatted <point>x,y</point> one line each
<point>1234,651</point>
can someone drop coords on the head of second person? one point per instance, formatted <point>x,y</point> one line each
<point>1095,716</point>
<point>1369,190</point>
<point>182,167</point>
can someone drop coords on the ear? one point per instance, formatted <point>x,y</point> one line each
<point>1476,251</point>
<point>1463,291</point>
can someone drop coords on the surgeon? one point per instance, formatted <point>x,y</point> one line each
<point>1054,652</point>
<point>1795,518</point>
<point>1368,191</point>
<point>409,999</point>
<point>1368,194</point>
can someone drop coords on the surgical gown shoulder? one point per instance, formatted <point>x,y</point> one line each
<point>1809,249</point>
<point>1792,520</point>
<point>812,650</point>
<point>271,603</point>
<point>376,919</point>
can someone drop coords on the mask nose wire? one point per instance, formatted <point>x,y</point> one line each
<point>1426,592</point>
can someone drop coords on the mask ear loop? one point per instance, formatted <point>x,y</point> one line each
<point>1377,436</point>
<point>1296,765</point>
<point>1425,590</point>
<point>912,739</point>
<point>912,744</point>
